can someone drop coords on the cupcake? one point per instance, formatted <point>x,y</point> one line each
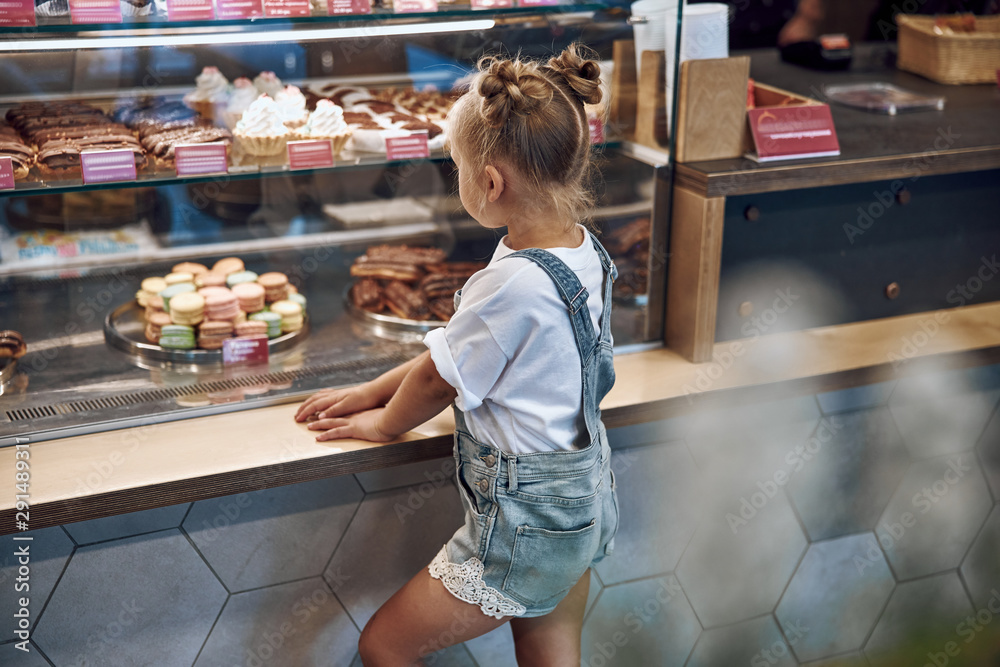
<point>210,95</point>
<point>260,132</point>
<point>292,107</point>
<point>327,122</point>
<point>268,83</point>
<point>243,95</point>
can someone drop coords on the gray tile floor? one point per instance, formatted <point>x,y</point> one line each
<point>881,547</point>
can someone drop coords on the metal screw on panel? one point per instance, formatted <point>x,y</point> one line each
<point>746,309</point>
<point>751,213</point>
<point>903,197</point>
<point>892,290</point>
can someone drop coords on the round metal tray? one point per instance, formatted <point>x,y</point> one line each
<point>125,327</point>
<point>389,326</point>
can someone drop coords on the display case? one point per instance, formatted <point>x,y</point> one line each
<point>80,234</point>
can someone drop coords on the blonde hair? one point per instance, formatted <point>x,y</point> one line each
<point>530,117</point>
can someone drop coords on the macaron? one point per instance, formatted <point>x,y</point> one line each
<point>172,291</point>
<point>239,277</point>
<point>149,288</point>
<point>154,305</point>
<point>211,334</point>
<point>155,324</point>
<point>210,279</point>
<point>251,296</point>
<point>291,315</point>
<point>209,291</point>
<point>222,306</point>
<point>251,328</point>
<point>12,345</point>
<point>177,336</point>
<point>298,298</point>
<point>175,278</point>
<point>275,286</point>
<point>273,321</point>
<point>193,268</point>
<point>228,265</point>
<point>187,308</point>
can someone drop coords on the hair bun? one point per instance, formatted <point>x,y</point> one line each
<point>581,73</point>
<point>510,87</point>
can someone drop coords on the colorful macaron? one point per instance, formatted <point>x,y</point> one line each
<point>189,267</point>
<point>252,328</point>
<point>275,286</point>
<point>292,318</point>
<point>273,321</point>
<point>251,296</point>
<point>176,278</point>
<point>177,336</point>
<point>172,291</point>
<point>210,279</point>
<point>149,288</point>
<point>211,334</point>
<point>240,277</point>
<point>228,265</point>
<point>298,298</point>
<point>187,308</point>
<point>155,324</point>
<point>222,306</point>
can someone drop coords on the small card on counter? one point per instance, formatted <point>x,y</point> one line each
<point>95,11</point>
<point>787,133</point>
<point>6,173</point>
<point>412,147</point>
<point>408,6</point>
<point>17,13</point>
<point>245,350</point>
<point>310,154</point>
<point>281,8</point>
<point>348,7</point>
<point>198,159</point>
<point>106,166</point>
<point>238,9</point>
<point>596,130</point>
<point>492,4</point>
<point>190,10</point>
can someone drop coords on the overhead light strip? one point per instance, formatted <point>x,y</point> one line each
<point>214,39</point>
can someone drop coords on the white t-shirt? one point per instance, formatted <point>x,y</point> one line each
<point>510,353</point>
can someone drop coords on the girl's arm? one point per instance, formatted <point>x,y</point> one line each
<point>348,400</point>
<point>421,395</point>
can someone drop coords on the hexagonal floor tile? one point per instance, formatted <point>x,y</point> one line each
<point>299,623</point>
<point>144,600</point>
<point>393,535</point>
<point>848,482</point>
<point>853,659</point>
<point>981,568</point>
<point>732,576</point>
<point>274,535</point>
<point>127,525</point>
<point>925,610</point>
<point>644,622</point>
<point>945,502</point>
<point>494,649</point>
<point>837,594</point>
<point>856,398</point>
<point>989,453</point>
<point>659,511</point>
<point>48,551</point>
<point>945,424</point>
<point>754,642</point>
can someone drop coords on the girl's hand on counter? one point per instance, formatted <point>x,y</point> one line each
<point>360,425</point>
<point>338,402</point>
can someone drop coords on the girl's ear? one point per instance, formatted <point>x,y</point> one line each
<point>494,183</point>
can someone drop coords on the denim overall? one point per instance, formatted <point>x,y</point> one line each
<point>535,522</point>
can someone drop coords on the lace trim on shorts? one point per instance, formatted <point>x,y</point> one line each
<point>465,582</point>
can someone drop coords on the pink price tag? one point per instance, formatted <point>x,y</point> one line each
<point>238,9</point>
<point>280,8</point>
<point>536,3</point>
<point>492,4</point>
<point>15,13</point>
<point>105,166</point>
<point>197,159</point>
<point>310,154</point>
<point>596,130</point>
<point>348,7</point>
<point>6,173</point>
<point>190,10</point>
<point>95,11</point>
<point>245,350</point>
<point>411,147</point>
<point>407,6</point>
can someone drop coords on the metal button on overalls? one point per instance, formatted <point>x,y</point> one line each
<point>490,460</point>
<point>484,485</point>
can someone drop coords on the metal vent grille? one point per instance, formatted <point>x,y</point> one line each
<point>124,400</point>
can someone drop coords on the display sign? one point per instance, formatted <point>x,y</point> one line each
<point>785,133</point>
<point>281,8</point>
<point>411,147</point>
<point>536,3</point>
<point>198,159</point>
<point>348,7</point>
<point>190,10</point>
<point>408,6</point>
<point>238,9</point>
<point>17,13</point>
<point>6,173</point>
<point>95,11</point>
<point>105,166</point>
<point>245,350</point>
<point>492,4</point>
<point>310,154</point>
<point>596,130</point>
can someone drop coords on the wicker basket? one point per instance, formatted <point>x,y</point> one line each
<point>953,59</point>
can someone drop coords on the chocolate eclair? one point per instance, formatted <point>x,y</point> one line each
<point>12,345</point>
<point>406,302</point>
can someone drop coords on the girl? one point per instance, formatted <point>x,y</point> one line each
<point>526,360</point>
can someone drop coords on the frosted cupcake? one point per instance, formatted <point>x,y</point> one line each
<point>326,122</point>
<point>292,107</point>
<point>260,130</point>
<point>243,95</point>
<point>211,94</point>
<point>268,84</point>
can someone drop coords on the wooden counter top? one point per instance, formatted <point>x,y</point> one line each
<point>140,468</point>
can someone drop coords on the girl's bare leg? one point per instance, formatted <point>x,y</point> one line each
<point>422,617</point>
<point>553,640</point>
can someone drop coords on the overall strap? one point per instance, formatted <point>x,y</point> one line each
<point>610,276</point>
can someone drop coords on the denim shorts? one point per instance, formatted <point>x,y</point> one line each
<point>534,523</point>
